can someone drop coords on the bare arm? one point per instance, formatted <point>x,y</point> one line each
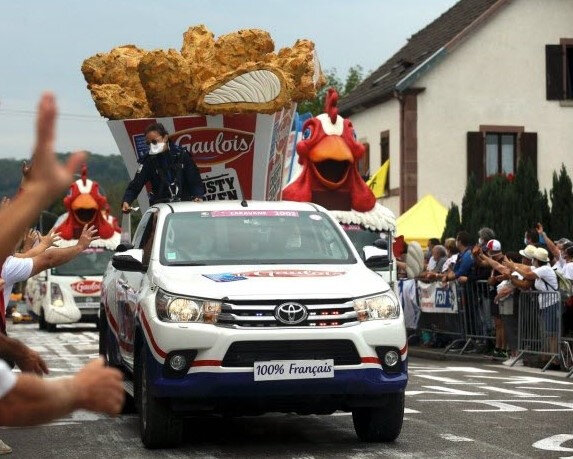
<point>56,257</point>
<point>45,243</point>
<point>550,244</point>
<point>34,401</point>
<point>27,359</point>
<point>47,180</point>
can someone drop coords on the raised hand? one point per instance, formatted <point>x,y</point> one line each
<point>47,175</point>
<point>89,234</point>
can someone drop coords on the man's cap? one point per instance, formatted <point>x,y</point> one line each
<point>563,240</point>
<point>493,245</point>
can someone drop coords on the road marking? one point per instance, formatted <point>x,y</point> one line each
<point>455,438</point>
<point>442,391</point>
<point>554,443</point>
<point>507,405</point>
<point>516,392</point>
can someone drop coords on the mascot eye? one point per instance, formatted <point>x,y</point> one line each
<point>307,133</point>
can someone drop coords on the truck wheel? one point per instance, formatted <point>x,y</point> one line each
<point>42,324</point>
<point>380,424</point>
<point>158,427</point>
<point>51,327</point>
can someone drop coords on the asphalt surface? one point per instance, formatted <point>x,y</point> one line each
<point>453,409</point>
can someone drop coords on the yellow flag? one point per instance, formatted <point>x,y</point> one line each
<point>377,182</point>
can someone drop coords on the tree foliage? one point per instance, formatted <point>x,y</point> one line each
<point>510,205</point>
<point>453,223</point>
<point>316,106</point>
<point>561,216</point>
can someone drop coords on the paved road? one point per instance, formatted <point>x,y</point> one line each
<point>453,410</point>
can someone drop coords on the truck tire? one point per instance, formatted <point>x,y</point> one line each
<point>42,324</point>
<point>158,427</point>
<point>380,424</point>
<point>51,327</point>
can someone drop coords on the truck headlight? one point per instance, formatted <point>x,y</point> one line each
<point>384,306</point>
<point>173,308</point>
<point>56,296</point>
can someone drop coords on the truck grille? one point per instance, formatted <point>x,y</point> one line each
<point>257,314</point>
<point>245,353</point>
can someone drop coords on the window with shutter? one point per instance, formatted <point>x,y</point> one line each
<point>475,156</point>
<point>529,148</point>
<point>559,70</point>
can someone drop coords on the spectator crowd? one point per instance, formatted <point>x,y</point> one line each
<point>543,265</point>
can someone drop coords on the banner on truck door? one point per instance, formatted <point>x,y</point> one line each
<point>239,156</point>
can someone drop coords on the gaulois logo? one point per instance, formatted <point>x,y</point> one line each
<point>86,286</point>
<point>210,146</point>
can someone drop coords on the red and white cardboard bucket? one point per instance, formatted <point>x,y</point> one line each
<point>239,156</point>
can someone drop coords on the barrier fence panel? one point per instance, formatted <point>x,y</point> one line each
<point>478,320</point>
<point>441,312</point>
<point>540,325</point>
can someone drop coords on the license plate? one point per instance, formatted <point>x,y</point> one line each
<point>88,305</point>
<point>275,370</point>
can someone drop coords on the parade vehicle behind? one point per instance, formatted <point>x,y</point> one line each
<point>243,308</point>
<point>70,293</point>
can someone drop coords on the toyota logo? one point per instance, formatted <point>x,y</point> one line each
<point>291,313</point>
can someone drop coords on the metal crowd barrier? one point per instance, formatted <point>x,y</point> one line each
<point>478,321</point>
<point>540,325</point>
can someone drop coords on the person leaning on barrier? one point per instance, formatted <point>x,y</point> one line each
<point>544,280</point>
<point>439,258</point>
<point>173,174</point>
<point>26,399</point>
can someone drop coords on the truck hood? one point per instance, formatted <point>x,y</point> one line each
<point>270,281</point>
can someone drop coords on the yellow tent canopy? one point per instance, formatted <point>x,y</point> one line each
<point>424,220</point>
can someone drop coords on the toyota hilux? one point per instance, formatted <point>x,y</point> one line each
<point>244,308</point>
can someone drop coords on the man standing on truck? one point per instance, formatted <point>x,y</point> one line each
<point>173,174</point>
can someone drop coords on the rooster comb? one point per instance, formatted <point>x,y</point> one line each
<point>330,104</point>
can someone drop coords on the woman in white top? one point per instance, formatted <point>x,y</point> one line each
<point>451,253</point>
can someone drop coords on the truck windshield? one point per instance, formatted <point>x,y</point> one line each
<point>252,237</point>
<point>91,262</point>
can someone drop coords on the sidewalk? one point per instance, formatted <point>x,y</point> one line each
<point>452,356</point>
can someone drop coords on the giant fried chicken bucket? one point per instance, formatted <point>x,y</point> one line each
<point>229,101</point>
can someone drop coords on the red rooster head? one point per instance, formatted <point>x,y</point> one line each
<point>329,153</point>
<point>84,204</point>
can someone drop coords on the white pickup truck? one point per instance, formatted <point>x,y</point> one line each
<point>252,307</point>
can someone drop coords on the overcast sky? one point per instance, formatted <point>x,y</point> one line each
<point>44,43</point>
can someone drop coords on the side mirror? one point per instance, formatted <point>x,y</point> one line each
<point>375,257</point>
<point>130,260</point>
<point>123,247</point>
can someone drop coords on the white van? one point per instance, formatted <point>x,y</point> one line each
<point>71,292</point>
<point>251,307</point>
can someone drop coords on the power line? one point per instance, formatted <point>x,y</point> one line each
<point>63,115</point>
